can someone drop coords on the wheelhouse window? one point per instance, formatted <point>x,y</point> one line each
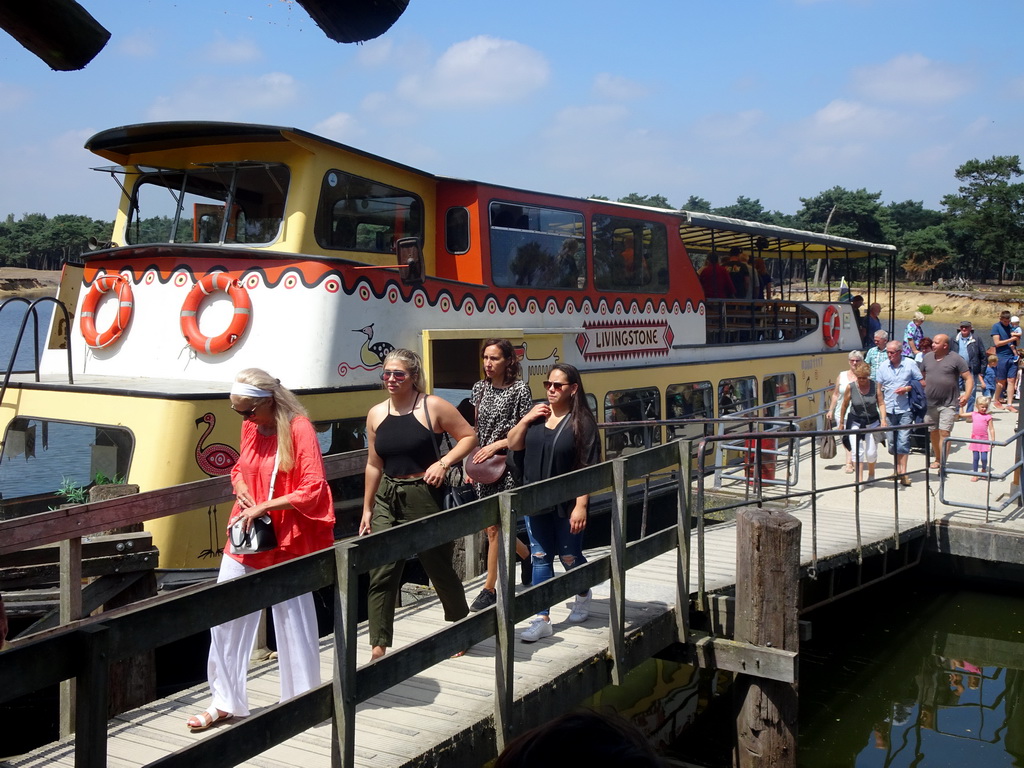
<point>48,463</point>
<point>630,255</point>
<point>542,247</point>
<point>456,230</point>
<point>357,214</point>
<point>635,406</point>
<point>692,401</point>
<point>223,203</point>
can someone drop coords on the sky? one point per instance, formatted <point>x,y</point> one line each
<point>774,100</point>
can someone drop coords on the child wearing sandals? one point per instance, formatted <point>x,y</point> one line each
<point>982,428</point>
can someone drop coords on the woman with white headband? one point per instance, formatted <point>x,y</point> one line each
<point>279,472</point>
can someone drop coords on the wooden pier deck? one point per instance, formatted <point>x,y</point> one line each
<point>445,714</point>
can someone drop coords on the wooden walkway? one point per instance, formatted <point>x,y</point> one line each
<point>449,708</point>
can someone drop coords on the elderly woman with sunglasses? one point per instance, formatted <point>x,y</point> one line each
<point>279,473</point>
<point>837,408</point>
<point>403,483</point>
<point>558,436</point>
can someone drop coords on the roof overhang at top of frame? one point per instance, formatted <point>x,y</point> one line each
<point>705,232</point>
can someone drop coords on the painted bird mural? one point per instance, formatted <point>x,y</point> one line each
<point>371,354</point>
<point>216,458</point>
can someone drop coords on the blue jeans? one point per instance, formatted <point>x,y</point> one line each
<point>979,389</point>
<point>550,536</point>
<point>900,443</point>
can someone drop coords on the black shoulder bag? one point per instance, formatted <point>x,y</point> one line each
<point>455,490</point>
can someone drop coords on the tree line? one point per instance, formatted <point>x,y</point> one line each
<point>979,234</point>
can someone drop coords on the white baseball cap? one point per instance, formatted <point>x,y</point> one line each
<point>1015,320</point>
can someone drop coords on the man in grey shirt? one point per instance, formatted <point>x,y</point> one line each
<point>943,371</point>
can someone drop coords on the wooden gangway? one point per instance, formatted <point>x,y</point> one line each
<point>417,706</point>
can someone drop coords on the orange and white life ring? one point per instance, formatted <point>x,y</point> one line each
<point>215,345</point>
<point>102,284</point>
<point>830,325</point>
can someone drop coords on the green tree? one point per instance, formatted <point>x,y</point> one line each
<point>746,209</point>
<point>986,216</point>
<point>925,252</point>
<point>697,204</point>
<point>854,214</point>
<point>652,201</point>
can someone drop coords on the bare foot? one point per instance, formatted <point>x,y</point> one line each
<point>377,651</point>
<point>975,479</point>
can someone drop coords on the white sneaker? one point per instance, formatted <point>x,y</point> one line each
<point>539,627</point>
<point>581,608</point>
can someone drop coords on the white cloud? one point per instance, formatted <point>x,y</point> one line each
<point>340,126</point>
<point>224,51</point>
<point>728,126</point>
<point>842,118</point>
<point>216,98</point>
<point>911,79</point>
<point>138,45</point>
<point>375,53</point>
<point>12,97</point>
<point>608,86</point>
<point>481,71</point>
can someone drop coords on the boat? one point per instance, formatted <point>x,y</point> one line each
<point>238,245</point>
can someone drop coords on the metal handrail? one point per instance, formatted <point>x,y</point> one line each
<point>33,312</point>
<point>988,476</point>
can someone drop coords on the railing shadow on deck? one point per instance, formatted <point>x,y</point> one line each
<point>85,649</point>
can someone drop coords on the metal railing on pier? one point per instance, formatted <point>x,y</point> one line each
<point>987,476</point>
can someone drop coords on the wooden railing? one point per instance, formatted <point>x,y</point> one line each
<point>85,649</point>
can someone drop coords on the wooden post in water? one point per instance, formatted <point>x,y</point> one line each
<point>767,598</point>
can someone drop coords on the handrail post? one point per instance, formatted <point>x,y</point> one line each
<point>684,513</point>
<point>70,610</point>
<point>346,619</point>
<point>504,637</point>
<point>617,601</point>
<point>91,698</point>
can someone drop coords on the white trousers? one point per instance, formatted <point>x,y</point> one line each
<point>231,646</point>
<point>865,445</point>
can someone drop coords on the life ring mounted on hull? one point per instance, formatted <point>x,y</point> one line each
<point>125,303</point>
<point>242,311</point>
<point>830,325</point>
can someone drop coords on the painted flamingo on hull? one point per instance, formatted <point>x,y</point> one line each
<point>216,458</point>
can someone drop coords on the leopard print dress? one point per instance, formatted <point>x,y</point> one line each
<point>497,411</point>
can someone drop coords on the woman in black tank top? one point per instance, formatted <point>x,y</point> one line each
<point>403,482</point>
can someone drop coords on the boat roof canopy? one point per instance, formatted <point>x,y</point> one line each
<point>705,231</point>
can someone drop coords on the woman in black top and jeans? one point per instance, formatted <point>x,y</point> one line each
<point>403,482</point>
<point>558,436</point>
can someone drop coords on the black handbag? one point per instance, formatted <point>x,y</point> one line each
<point>455,491</point>
<point>261,536</point>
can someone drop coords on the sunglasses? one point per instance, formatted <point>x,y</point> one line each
<point>245,414</point>
<point>396,375</point>
<point>555,385</point>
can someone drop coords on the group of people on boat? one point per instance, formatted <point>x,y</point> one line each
<point>280,475</point>
<point>939,379</point>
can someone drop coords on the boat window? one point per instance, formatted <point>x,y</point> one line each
<point>189,206</point>
<point>40,457</point>
<point>635,406</point>
<point>630,255</point>
<point>735,395</point>
<point>543,247</point>
<point>357,214</point>
<point>694,400</point>
<point>778,387</point>
<point>456,230</point>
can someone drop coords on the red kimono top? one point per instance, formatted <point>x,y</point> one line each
<point>308,524</point>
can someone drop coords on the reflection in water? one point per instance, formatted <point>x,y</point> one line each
<point>921,678</point>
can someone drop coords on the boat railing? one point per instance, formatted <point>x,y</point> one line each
<point>987,476</point>
<point>733,321</point>
<point>86,648</point>
<point>32,312</point>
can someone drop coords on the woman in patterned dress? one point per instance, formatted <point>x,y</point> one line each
<point>501,400</point>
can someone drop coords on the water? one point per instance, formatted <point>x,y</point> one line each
<point>918,671</point>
